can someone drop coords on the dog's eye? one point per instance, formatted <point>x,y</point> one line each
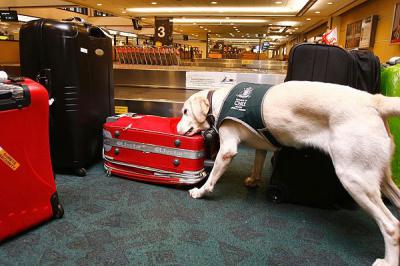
<point>184,111</point>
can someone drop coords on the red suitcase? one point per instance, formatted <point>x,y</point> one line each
<point>148,148</point>
<point>27,190</point>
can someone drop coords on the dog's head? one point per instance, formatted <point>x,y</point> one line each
<point>194,114</point>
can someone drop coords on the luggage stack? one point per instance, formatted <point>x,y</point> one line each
<point>73,60</point>
<point>28,193</point>
<point>148,148</point>
<point>307,176</point>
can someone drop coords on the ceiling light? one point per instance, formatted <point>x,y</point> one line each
<point>289,23</point>
<point>296,28</point>
<point>278,2</point>
<point>226,17</point>
<point>205,29</point>
<point>308,19</point>
<point>317,12</point>
<point>266,10</point>
<point>99,4</point>
<point>213,2</point>
<point>218,20</point>
<point>234,27</point>
<point>270,24</point>
<point>123,12</point>
<point>154,3</point>
<point>238,31</point>
<point>201,27</point>
<point>330,3</point>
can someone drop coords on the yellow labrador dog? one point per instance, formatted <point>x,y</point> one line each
<point>348,124</point>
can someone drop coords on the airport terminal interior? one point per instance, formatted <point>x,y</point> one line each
<point>161,53</point>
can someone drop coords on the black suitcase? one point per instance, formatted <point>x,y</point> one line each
<point>74,62</point>
<point>307,176</point>
<point>359,69</point>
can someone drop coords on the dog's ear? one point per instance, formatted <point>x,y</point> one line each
<point>200,108</point>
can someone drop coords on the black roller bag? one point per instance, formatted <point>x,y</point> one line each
<point>307,176</point>
<point>73,60</point>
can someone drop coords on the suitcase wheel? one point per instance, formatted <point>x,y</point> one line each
<point>59,212</point>
<point>276,193</point>
<point>80,172</point>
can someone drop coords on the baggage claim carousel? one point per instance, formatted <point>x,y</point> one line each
<point>162,90</point>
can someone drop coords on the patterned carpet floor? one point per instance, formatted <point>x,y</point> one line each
<point>113,221</point>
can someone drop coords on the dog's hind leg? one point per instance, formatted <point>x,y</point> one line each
<point>255,178</point>
<point>369,198</point>
<point>390,189</point>
<point>360,171</point>
<point>227,151</point>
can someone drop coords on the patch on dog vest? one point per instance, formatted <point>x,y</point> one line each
<point>244,105</point>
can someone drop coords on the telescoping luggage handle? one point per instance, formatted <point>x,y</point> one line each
<point>116,117</point>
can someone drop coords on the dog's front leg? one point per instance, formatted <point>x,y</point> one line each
<point>228,150</point>
<point>255,178</point>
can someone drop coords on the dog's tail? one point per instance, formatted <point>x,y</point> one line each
<point>387,106</point>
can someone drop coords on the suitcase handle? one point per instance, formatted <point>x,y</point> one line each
<point>5,95</point>
<point>44,78</point>
<point>116,117</point>
<point>97,32</point>
<point>14,97</point>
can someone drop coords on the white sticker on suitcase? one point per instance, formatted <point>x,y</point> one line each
<point>84,50</point>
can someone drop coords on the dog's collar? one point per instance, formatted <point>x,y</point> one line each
<point>210,117</point>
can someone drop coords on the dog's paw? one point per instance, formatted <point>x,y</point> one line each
<point>381,262</point>
<point>251,182</point>
<point>196,193</point>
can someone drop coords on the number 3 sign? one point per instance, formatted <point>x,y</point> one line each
<point>163,30</point>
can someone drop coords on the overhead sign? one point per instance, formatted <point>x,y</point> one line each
<point>163,30</point>
<point>219,45</point>
<point>8,16</point>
